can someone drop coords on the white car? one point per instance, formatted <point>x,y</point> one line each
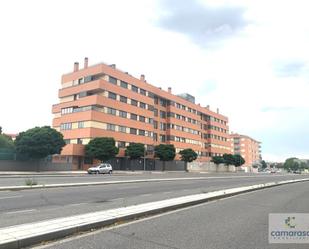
<point>101,169</point>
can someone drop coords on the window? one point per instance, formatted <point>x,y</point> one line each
<point>112,95</point>
<point>133,102</point>
<point>150,107</point>
<point>81,124</point>
<point>124,84</point>
<point>142,91</point>
<point>123,99</point>
<point>81,81</point>
<point>121,144</point>
<point>150,95</point>
<point>162,114</point>
<point>122,114</point>
<point>141,132</point>
<point>162,138</point>
<point>142,118</point>
<point>134,88</point>
<point>142,105</point>
<point>162,126</point>
<point>111,111</point>
<point>67,141</point>
<point>122,129</point>
<point>111,127</point>
<point>155,124</point>
<point>88,78</point>
<point>133,116</point>
<point>155,137</point>
<point>66,126</point>
<point>112,80</point>
<point>79,141</point>
<point>162,102</point>
<point>133,131</point>
<point>155,112</point>
<point>66,110</point>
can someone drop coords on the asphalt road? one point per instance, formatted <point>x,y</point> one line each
<point>18,207</point>
<point>239,222</point>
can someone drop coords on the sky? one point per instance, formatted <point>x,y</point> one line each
<point>248,58</point>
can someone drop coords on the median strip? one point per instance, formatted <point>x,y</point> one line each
<point>33,233</point>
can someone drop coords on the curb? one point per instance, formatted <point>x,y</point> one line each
<point>33,233</point>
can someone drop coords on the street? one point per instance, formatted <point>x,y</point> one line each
<point>18,207</point>
<point>239,222</point>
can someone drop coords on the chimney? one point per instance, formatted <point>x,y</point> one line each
<point>76,66</point>
<point>85,62</point>
<point>160,88</point>
<point>218,110</point>
<point>142,78</point>
<point>207,107</point>
<point>169,90</point>
<point>113,66</point>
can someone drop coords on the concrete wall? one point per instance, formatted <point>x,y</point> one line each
<point>210,167</point>
<point>10,165</point>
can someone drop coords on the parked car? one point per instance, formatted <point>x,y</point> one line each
<point>102,168</point>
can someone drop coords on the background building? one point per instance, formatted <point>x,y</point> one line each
<point>247,147</point>
<point>103,101</point>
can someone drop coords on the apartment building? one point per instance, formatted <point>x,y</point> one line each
<point>247,147</point>
<point>103,101</point>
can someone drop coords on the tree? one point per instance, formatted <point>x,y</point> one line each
<point>229,159</point>
<point>165,152</point>
<point>6,142</point>
<point>264,164</point>
<point>0,130</point>
<point>238,160</point>
<point>101,148</point>
<point>39,142</point>
<point>291,164</point>
<point>135,150</point>
<point>188,155</point>
<point>218,159</point>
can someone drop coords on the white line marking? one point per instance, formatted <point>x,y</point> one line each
<point>21,211</point>
<point>146,195</point>
<point>167,192</point>
<point>77,204</point>
<point>116,199</point>
<point>11,197</point>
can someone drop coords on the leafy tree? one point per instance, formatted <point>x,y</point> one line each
<point>188,155</point>
<point>0,130</point>
<point>264,164</point>
<point>101,148</point>
<point>6,142</point>
<point>218,159</point>
<point>238,160</point>
<point>291,164</point>
<point>229,159</point>
<point>39,142</point>
<point>165,152</point>
<point>135,150</point>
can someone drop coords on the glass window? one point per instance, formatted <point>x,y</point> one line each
<point>123,99</point>
<point>155,137</point>
<point>122,129</point>
<point>141,132</point>
<point>124,84</point>
<point>112,80</point>
<point>81,124</point>
<point>142,118</point>
<point>142,91</point>
<point>162,114</point>
<point>133,116</point>
<point>133,131</point>
<point>142,105</point>
<point>121,144</point>
<point>150,107</point>
<point>134,88</point>
<point>111,127</point>
<point>122,114</point>
<point>133,102</point>
<point>155,112</point>
<point>112,95</point>
<point>66,126</point>
<point>150,95</point>
<point>162,126</point>
<point>162,138</point>
<point>111,111</point>
<point>155,124</point>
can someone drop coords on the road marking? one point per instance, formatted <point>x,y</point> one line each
<point>146,195</point>
<point>167,192</point>
<point>11,197</point>
<point>77,204</point>
<point>21,211</point>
